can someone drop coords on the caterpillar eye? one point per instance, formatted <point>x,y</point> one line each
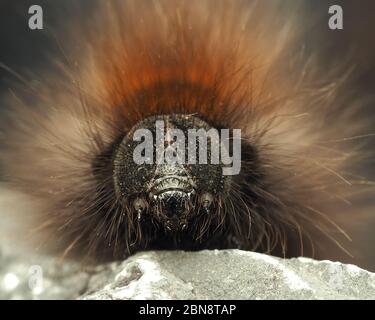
<point>140,205</point>
<point>207,200</point>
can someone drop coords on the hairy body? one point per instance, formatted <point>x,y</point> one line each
<point>237,64</point>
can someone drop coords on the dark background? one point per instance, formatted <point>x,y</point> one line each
<point>22,48</point>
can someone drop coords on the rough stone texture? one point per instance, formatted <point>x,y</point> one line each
<point>227,274</point>
<point>232,274</point>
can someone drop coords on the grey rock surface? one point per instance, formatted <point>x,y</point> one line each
<point>40,278</point>
<point>226,274</point>
<point>231,274</point>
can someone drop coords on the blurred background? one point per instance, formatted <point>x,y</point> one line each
<point>23,49</point>
<point>26,51</point>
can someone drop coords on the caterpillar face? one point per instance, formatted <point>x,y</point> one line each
<point>171,193</point>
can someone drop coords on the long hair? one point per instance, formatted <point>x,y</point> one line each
<point>235,64</point>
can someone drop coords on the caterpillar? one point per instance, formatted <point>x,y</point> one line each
<point>67,147</point>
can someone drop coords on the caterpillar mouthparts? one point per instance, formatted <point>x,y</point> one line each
<point>171,196</point>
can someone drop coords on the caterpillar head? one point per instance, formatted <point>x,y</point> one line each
<point>162,179</point>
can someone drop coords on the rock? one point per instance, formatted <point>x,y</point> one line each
<point>226,274</point>
<point>229,274</point>
<point>40,278</point>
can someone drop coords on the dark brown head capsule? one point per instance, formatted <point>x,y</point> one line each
<point>169,194</point>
